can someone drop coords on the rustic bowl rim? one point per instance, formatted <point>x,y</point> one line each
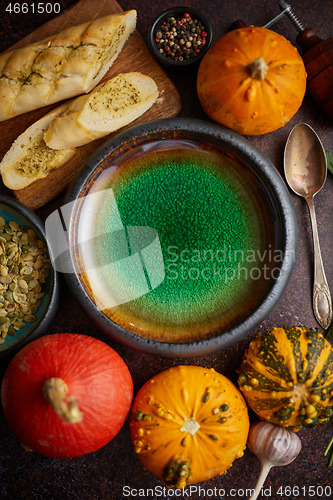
<point>165,61</point>
<point>246,151</point>
<point>53,303</point>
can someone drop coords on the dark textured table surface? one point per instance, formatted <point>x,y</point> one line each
<point>103,474</point>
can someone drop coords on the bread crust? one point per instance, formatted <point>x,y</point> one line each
<point>52,141</point>
<point>62,66</point>
<point>29,159</point>
<point>110,106</point>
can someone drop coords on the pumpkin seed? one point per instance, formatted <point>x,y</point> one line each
<point>9,295</point>
<point>24,238</point>
<point>13,225</point>
<point>23,284</point>
<point>18,324</point>
<point>29,277</point>
<point>5,280</point>
<point>9,230</point>
<point>24,266</point>
<point>27,270</point>
<point>27,257</point>
<point>19,297</point>
<point>11,330</point>
<point>36,289</point>
<point>29,318</point>
<point>3,270</point>
<point>33,283</point>
<point>32,238</point>
<point>25,308</point>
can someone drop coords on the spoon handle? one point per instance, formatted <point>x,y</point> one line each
<point>322,302</point>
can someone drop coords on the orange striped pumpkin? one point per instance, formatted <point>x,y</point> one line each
<point>286,377</point>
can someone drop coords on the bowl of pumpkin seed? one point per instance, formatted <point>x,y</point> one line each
<point>28,283</point>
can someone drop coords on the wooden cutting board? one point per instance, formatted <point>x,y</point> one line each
<point>135,56</point>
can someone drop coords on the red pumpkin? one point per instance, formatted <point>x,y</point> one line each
<point>66,395</point>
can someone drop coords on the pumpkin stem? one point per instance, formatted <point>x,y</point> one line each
<point>190,425</point>
<point>55,390</point>
<point>26,447</point>
<point>258,69</point>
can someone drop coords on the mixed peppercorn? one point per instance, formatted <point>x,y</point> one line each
<point>181,39</point>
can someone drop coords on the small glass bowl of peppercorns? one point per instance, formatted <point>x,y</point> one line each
<point>179,36</point>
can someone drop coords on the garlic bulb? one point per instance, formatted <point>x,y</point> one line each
<point>274,446</point>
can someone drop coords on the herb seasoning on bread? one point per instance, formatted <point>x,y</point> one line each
<point>52,141</point>
<point>62,66</point>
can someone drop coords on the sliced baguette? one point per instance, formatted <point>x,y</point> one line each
<point>29,158</point>
<point>107,108</point>
<point>61,66</point>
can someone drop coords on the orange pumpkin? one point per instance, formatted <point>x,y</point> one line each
<point>252,80</point>
<point>188,424</point>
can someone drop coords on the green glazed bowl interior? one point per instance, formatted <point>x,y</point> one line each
<point>183,237</point>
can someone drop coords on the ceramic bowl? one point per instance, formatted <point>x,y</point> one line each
<point>177,13</point>
<point>182,237</point>
<point>13,210</point>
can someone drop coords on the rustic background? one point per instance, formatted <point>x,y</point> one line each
<point>103,474</point>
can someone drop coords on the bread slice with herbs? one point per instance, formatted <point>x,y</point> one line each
<point>106,109</point>
<point>29,158</point>
<point>62,66</point>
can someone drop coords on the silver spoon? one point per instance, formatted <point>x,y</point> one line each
<point>305,169</point>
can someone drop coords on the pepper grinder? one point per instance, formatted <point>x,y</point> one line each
<point>318,60</point>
